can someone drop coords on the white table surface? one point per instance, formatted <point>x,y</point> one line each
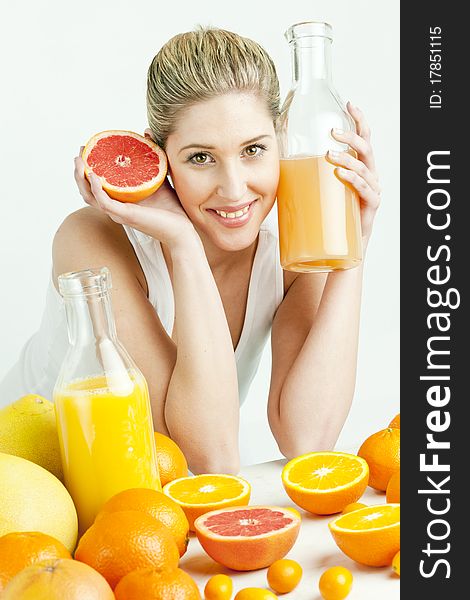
<point>314,549</point>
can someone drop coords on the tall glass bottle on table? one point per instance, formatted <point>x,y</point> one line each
<point>102,402</point>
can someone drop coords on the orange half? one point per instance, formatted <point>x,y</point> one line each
<point>200,494</point>
<point>370,536</point>
<point>324,483</point>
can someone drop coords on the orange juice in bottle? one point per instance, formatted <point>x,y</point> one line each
<point>102,403</point>
<point>328,235</point>
<point>318,216</point>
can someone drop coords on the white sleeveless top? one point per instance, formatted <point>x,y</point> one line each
<point>41,357</point>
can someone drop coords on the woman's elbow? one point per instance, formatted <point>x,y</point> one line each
<point>291,448</point>
<point>222,466</point>
<point>223,460</point>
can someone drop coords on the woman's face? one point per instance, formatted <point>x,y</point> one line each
<point>224,164</point>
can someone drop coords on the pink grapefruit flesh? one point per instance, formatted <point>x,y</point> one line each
<point>131,167</point>
<point>248,538</point>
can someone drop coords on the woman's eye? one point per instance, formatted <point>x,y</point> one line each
<point>199,158</point>
<point>256,150</point>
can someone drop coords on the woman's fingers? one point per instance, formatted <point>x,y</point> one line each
<point>344,159</point>
<point>362,127</point>
<point>357,143</point>
<point>360,141</point>
<point>126,213</point>
<point>358,173</point>
<point>83,185</point>
<point>120,212</point>
<point>368,196</point>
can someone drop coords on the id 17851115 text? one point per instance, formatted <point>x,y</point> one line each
<point>435,67</point>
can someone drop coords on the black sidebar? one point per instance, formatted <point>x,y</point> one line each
<point>435,356</point>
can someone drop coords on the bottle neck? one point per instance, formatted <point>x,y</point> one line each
<point>90,319</point>
<point>311,61</point>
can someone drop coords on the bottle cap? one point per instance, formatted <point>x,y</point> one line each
<point>309,29</point>
<point>85,283</point>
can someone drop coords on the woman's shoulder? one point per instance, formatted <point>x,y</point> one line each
<point>88,238</point>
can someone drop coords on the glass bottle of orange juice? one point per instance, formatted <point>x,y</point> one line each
<point>318,216</point>
<point>102,405</point>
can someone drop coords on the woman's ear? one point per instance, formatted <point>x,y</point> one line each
<point>148,133</point>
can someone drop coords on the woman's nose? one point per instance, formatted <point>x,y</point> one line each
<point>232,184</point>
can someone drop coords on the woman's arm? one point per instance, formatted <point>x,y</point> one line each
<point>314,353</point>
<point>202,403</point>
<point>315,330</point>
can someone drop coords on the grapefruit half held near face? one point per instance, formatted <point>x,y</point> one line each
<point>131,167</point>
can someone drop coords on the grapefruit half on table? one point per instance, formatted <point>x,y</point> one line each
<point>131,167</point>
<point>248,537</point>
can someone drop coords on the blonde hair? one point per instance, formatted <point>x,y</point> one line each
<point>201,64</point>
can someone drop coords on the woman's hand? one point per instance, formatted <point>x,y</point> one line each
<point>160,215</point>
<point>359,173</point>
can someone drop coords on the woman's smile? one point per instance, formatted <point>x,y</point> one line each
<point>235,216</point>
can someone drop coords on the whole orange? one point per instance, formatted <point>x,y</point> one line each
<point>157,505</point>
<point>150,584</point>
<point>58,579</point>
<point>172,463</point>
<point>395,422</point>
<point>393,488</point>
<point>22,549</point>
<point>122,541</point>
<point>381,450</point>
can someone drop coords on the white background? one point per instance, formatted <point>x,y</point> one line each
<point>72,69</point>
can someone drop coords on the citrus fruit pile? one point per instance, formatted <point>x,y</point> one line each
<point>133,548</point>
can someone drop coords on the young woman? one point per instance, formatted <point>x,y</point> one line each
<point>197,283</point>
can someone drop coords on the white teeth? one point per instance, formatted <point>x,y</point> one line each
<point>233,215</point>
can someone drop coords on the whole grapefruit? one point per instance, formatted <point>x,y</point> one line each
<point>32,499</point>
<point>58,579</point>
<point>28,429</point>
